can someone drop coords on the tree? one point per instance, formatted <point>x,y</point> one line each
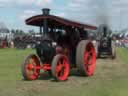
<point>31,32</point>
<point>13,31</point>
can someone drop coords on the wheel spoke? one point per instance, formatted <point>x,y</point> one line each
<point>36,73</point>
<point>33,62</point>
<point>89,69</point>
<point>29,72</point>
<point>30,61</point>
<point>90,62</point>
<point>64,63</point>
<point>86,57</point>
<point>62,71</point>
<point>92,51</point>
<point>58,68</point>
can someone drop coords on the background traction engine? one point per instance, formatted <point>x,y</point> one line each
<point>57,53</point>
<point>105,43</point>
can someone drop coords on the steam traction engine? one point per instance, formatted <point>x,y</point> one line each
<point>105,43</point>
<point>64,45</point>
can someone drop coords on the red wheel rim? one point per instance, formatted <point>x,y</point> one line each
<point>62,69</point>
<point>89,59</point>
<point>31,68</point>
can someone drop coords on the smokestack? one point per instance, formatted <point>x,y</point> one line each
<point>46,11</point>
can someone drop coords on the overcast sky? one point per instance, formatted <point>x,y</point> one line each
<point>95,12</point>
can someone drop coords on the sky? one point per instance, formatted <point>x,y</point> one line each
<point>113,12</point>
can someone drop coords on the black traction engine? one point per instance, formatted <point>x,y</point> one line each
<point>105,43</point>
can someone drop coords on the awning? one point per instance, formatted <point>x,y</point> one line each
<point>56,22</point>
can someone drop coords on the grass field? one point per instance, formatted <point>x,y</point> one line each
<point>123,54</point>
<point>110,78</point>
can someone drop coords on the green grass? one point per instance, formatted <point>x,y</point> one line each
<point>10,63</point>
<point>123,54</point>
<point>110,78</point>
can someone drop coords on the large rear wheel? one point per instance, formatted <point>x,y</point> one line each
<point>60,67</point>
<point>30,67</point>
<point>86,58</point>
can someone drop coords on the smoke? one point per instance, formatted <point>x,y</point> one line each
<point>100,10</point>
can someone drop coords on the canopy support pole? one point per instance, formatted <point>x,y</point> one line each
<point>45,26</point>
<point>40,30</point>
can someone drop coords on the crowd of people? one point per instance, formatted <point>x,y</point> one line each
<point>122,43</point>
<point>20,42</point>
<point>4,43</point>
